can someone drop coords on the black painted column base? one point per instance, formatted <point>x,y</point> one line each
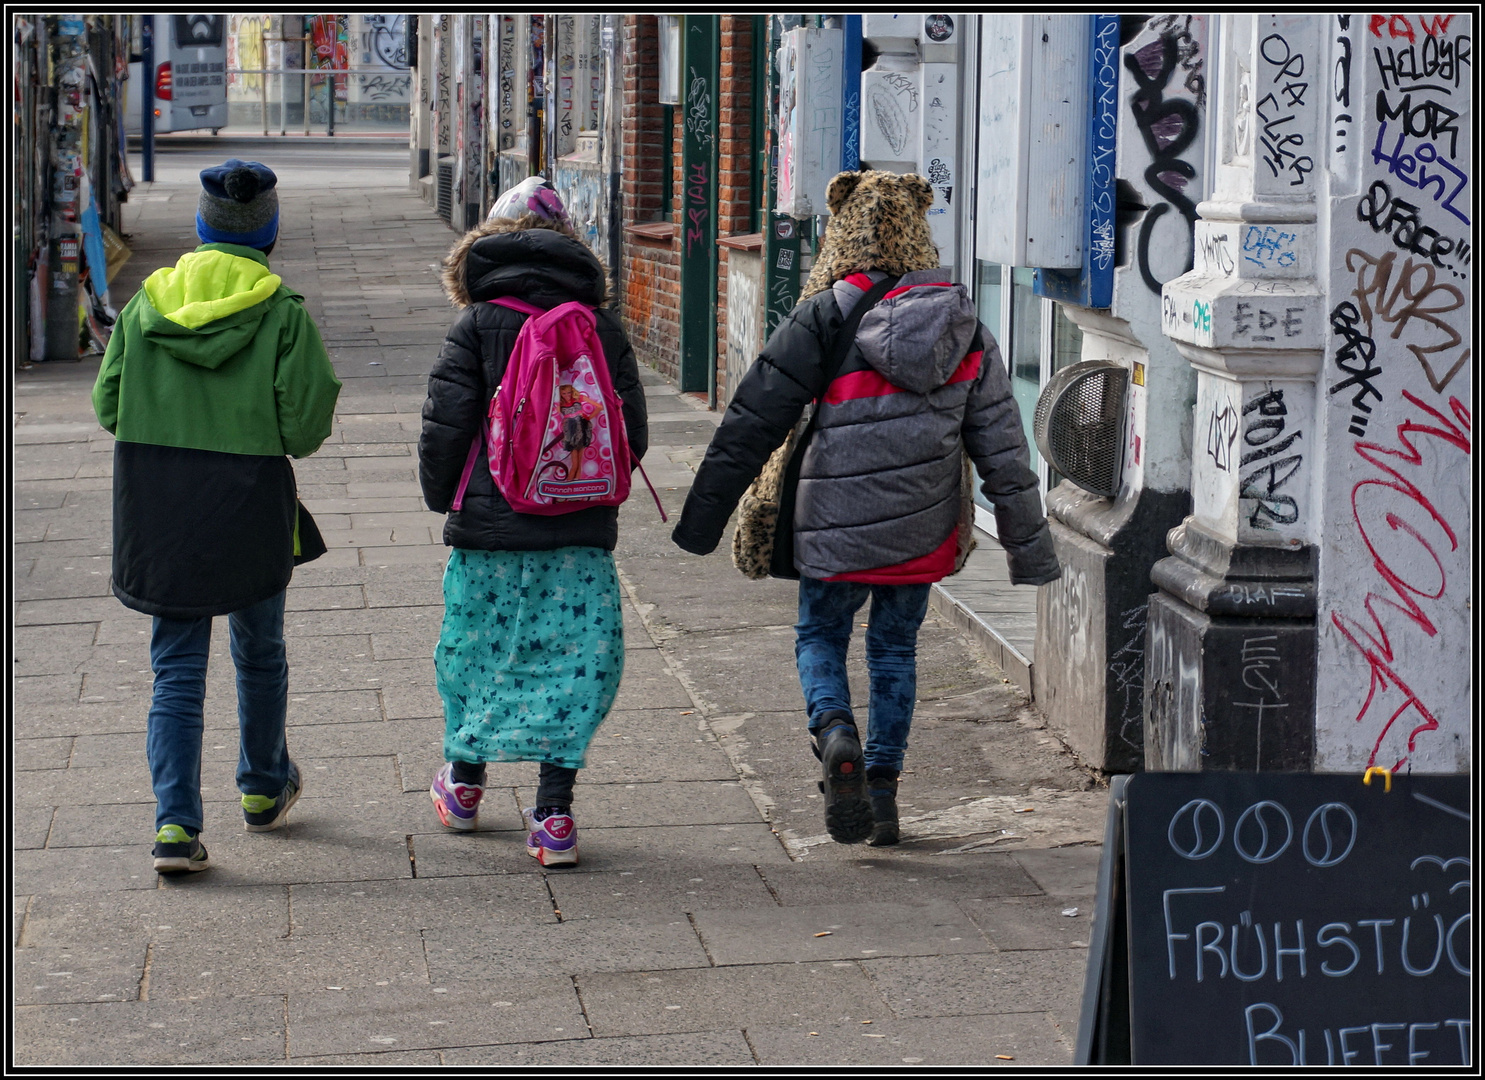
<point>1230,657</point>
<point>1089,669</point>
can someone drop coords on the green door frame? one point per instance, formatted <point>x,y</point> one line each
<point>700,63</point>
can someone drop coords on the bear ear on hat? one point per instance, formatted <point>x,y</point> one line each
<point>919,189</point>
<point>840,190</point>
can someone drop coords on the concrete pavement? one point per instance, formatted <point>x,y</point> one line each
<point>710,923</point>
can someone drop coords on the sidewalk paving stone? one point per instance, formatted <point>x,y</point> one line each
<point>207,911</point>
<point>465,955</point>
<point>410,1018</point>
<point>975,1041</point>
<point>850,932</point>
<point>238,1030</point>
<point>208,967</point>
<point>989,983</point>
<point>29,826</point>
<point>1032,922</point>
<point>899,879</point>
<point>420,904</point>
<point>654,891</point>
<point>690,1050</point>
<point>84,971</point>
<point>30,754</point>
<point>711,999</point>
<point>1063,871</point>
<point>86,870</point>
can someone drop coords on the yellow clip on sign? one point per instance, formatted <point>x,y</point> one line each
<point>1386,777</point>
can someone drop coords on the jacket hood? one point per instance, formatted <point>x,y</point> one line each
<point>206,308</point>
<point>918,333</point>
<point>511,258</point>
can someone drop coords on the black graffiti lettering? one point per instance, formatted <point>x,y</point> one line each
<point>1275,49</point>
<point>1426,120</point>
<point>1269,449</point>
<point>1356,357</point>
<point>1278,508</point>
<point>1242,314</point>
<point>1343,64</point>
<point>1168,128</point>
<point>1436,65</point>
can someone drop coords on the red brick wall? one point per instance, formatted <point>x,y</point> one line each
<point>734,157</point>
<point>651,267</point>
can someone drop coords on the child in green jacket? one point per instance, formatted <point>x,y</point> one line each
<point>213,374</point>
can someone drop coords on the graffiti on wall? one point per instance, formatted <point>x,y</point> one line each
<point>1396,580</point>
<point>743,306</point>
<point>1165,85</point>
<point>384,41</point>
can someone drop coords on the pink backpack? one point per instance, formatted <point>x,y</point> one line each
<point>556,436</point>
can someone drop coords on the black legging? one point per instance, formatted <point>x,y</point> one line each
<point>553,788</point>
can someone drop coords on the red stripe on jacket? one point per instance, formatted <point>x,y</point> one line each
<point>935,566</point>
<point>872,383</point>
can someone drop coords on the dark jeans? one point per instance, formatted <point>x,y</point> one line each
<point>827,611</point>
<point>178,653</point>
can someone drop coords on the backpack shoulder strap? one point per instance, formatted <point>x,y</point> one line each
<point>518,305</point>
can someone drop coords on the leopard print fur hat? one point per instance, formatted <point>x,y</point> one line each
<point>878,221</point>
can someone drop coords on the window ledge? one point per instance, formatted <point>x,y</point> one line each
<point>742,242</point>
<point>657,231</point>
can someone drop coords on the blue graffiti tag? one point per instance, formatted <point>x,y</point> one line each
<point>1404,166</point>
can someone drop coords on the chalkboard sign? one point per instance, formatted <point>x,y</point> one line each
<point>1283,919</point>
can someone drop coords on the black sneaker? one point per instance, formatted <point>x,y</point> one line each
<point>882,794</point>
<point>848,817</point>
<point>178,852</point>
<point>260,813</point>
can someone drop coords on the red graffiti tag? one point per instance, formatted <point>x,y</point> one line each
<point>1377,647</point>
<point>1398,26</point>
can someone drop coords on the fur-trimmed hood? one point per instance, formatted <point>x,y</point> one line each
<point>878,221</point>
<point>542,265</point>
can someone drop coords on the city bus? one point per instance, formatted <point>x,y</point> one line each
<point>189,79</point>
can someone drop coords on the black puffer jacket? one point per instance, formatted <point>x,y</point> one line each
<point>544,268</point>
<point>880,482</point>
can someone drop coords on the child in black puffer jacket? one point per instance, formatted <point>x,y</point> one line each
<point>532,647</point>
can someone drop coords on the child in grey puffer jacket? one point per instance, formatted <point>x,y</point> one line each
<point>878,499</point>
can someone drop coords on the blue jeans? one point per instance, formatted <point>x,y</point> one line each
<point>827,610</point>
<point>178,653</point>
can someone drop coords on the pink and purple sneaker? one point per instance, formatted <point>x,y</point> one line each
<point>458,805</point>
<point>552,840</point>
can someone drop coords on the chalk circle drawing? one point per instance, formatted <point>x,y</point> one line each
<point>1193,843</point>
<point>1260,815</point>
<point>1323,816</point>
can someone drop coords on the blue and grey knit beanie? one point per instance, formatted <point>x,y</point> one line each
<point>238,204</point>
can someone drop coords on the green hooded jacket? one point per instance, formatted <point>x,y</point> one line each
<point>213,374</point>
<point>215,353</point>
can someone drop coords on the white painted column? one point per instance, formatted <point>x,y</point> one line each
<point>1395,680</point>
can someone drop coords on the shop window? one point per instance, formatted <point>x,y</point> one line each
<point>1036,339</point>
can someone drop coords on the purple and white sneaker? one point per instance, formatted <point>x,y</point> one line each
<point>552,841</point>
<point>458,805</point>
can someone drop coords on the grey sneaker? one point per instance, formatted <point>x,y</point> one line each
<point>263,813</point>
<point>178,852</point>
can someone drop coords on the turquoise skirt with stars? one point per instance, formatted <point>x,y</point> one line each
<point>531,653</point>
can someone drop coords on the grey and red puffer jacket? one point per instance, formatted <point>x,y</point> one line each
<point>879,497</point>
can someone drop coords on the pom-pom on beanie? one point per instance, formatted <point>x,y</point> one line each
<point>238,204</point>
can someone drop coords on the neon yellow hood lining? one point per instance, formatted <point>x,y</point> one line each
<point>205,286</point>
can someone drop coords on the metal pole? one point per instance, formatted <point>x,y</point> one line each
<point>263,78</point>
<point>283,82</point>
<point>147,98</point>
<point>304,63</point>
<point>330,79</point>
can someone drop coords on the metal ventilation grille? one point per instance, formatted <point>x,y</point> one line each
<point>1079,424</point>
<point>445,192</point>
